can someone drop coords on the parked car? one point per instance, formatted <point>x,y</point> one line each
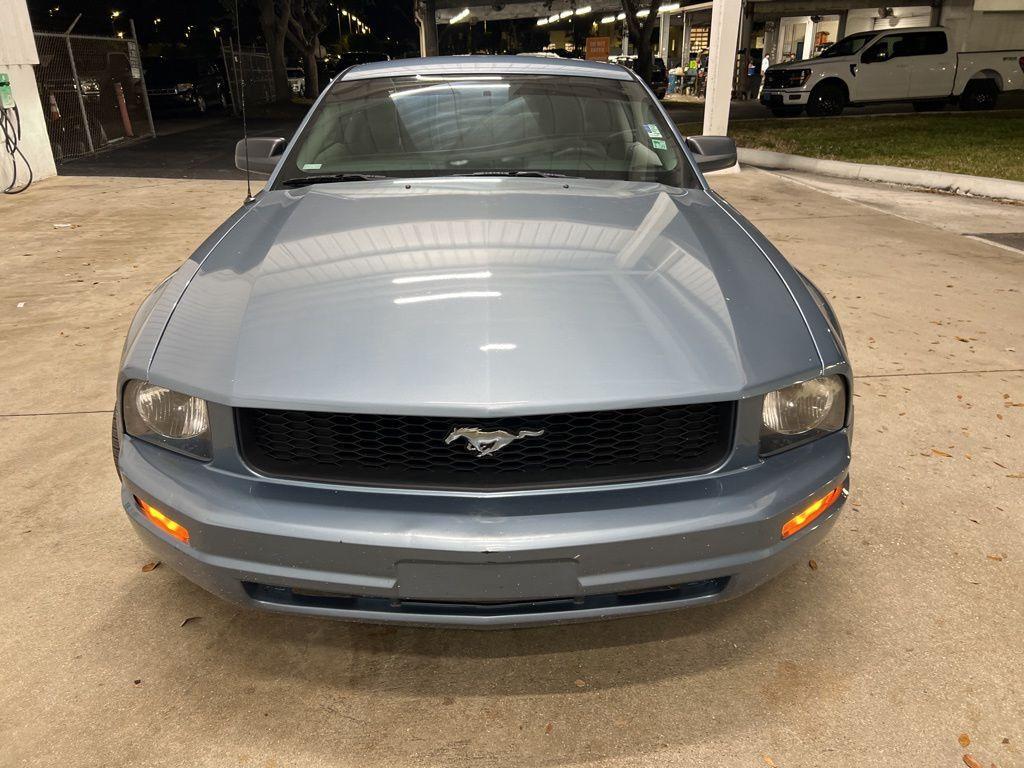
<point>487,350</point>
<point>192,85</point>
<point>659,73</point>
<point>296,80</point>
<point>916,64</point>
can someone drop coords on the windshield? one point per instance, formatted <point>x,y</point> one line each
<point>453,125</point>
<point>848,45</point>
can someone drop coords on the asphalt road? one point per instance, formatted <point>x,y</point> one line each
<point>692,111</point>
<point>184,148</point>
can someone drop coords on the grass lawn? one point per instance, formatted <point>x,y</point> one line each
<point>975,143</point>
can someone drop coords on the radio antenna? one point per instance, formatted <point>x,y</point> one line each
<point>241,100</point>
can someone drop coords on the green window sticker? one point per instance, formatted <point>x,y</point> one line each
<point>312,166</point>
<point>658,144</point>
<point>653,131</point>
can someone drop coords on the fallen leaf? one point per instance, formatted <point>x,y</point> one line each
<point>189,620</point>
<point>961,338</point>
<point>138,682</point>
<point>937,452</point>
<point>970,762</point>
<point>812,564</point>
<point>447,701</point>
<point>964,739</point>
<point>768,761</point>
<point>997,558</point>
<point>1017,475</point>
<point>150,566</point>
<point>1006,740</point>
<point>581,684</point>
<point>551,726</point>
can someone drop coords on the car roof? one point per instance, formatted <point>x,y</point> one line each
<point>484,65</point>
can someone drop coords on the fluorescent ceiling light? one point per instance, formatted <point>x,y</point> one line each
<point>644,12</point>
<point>552,19</point>
<point>541,22</point>
<point>447,296</point>
<point>497,347</point>
<point>620,17</point>
<point>459,16</point>
<point>565,14</point>
<point>583,10</point>
<point>446,276</point>
<point>607,19</point>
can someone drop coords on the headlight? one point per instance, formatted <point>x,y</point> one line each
<point>167,418</point>
<point>802,412</point>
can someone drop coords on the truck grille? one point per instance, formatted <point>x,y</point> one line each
<point>777,78</point>
<point>410,451</point>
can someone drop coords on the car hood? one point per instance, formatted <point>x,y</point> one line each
<point>483,296</point>
<point>806,63</point>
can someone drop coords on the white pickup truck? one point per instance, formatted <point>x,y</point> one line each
<point>914,64</point>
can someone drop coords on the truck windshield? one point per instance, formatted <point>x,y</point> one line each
<point>848,45</point>
<point>514,124</point>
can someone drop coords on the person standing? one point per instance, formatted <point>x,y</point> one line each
<point>765,63</point>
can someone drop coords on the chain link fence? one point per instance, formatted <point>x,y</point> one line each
<point>92,92</point>
<point>248,67</point>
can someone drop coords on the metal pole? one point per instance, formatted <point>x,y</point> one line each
<point>142,77</point>
<point>78,93</point>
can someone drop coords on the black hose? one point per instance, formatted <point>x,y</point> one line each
<point>12,137</point>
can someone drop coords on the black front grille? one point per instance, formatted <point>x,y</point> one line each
<point>777,78</point>
<point>411,452</point>
<point>691,590</point>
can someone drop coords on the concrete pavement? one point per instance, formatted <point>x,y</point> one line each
<point>905,636</point>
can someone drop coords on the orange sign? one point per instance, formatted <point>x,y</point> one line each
<point>598,48</point>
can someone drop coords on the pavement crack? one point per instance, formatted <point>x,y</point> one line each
<point>52,413</point>
<point>936,373</point>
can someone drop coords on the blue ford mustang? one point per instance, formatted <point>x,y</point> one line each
<point>486,351</point>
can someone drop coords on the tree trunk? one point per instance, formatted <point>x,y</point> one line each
<point>312,72</point>
<point>642,30</point>
<point>275,29</point>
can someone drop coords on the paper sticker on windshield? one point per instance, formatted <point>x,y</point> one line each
<point>653,131</point>
<point>312,166</point>
<point>658,144</point>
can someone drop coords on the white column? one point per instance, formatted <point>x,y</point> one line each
<point>725,25</point>
<point>663,31</point>
<point>809,38</point>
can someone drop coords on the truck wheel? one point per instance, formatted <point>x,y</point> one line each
<point>979,94</point>
<point>826,100</point>
<point>933,105</point>
<point>786,111</point>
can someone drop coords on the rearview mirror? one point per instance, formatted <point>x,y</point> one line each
<point>712,153</point>
<point>263,153</point>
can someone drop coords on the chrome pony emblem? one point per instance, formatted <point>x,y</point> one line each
<point>483,442</point>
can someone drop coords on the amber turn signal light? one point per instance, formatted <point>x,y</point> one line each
<point>163,522</point>
<point>810,514</point>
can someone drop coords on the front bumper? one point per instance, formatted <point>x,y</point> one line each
<point>482,560</point>
<point>784,97</point>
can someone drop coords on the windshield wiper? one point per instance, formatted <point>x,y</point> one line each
<point>329,178</point>
<point>532,174</point>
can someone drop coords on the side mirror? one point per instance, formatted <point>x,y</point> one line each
<point>263,153</point>
<point>712,153</point>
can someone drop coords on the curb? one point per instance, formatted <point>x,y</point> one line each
<point>957,183</point>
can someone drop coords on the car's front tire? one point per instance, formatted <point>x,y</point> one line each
<point>826,100</point>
